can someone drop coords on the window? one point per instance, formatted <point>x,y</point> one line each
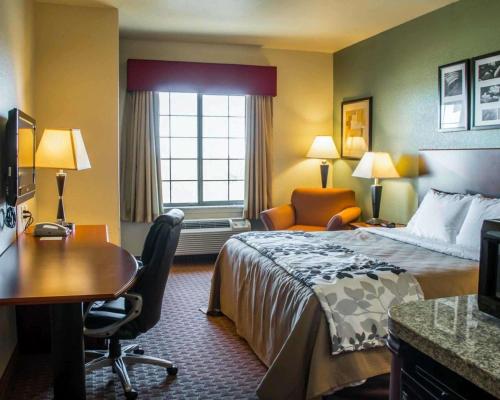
<point>202,148</point>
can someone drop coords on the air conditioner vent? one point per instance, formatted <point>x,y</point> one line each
<point>207,236</point>
<point>206,224</point>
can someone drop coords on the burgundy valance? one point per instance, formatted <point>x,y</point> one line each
<point>209,78</point>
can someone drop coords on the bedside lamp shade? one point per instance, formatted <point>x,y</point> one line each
<point>375,166</point>
<point>62,149</point>
<point>324,148</point>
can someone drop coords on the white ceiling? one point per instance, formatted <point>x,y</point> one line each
<point>314,25</point>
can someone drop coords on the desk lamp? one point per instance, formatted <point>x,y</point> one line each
<point>323,148</point>
<point>376,166</point>
<point>62,149</point>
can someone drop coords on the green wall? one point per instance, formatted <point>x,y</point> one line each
<point>399,68</point>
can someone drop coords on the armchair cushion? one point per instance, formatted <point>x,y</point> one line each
<point>313,209</point>
<point>307,228</point>
<point>278,218</point>
<point>316,206</point>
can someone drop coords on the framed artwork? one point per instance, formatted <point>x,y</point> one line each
<point>454,96</point>
<point>486,91</point>
<point>356,128</point>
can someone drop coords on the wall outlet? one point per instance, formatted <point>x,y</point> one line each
<point>21,222</point>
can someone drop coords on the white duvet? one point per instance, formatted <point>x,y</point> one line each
<point>405,236</point>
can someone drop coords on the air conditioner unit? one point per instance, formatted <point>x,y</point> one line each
<point>207,236</point>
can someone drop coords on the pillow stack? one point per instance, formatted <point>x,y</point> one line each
<point>481,208</point>
<point>453,218</point>
<point>440,216</point>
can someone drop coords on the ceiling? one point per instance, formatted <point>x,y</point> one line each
<point>313,25</point>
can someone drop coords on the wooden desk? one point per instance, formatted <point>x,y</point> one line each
<point>65,273</point>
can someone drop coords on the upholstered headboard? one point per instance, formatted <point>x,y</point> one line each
<point>460,171</point>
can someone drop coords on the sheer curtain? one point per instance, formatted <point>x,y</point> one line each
<point>140,180</point>
<point>259,132</point>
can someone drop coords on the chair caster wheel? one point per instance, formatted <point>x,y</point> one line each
<point>138,351</point>
<point>132,395</point>
<point>172,371</point>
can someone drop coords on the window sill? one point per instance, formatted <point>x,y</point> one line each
<point>206,212</point>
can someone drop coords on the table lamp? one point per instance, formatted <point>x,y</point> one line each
<point>377,166</point>
<point>323,148</point>
<point>62,149</point>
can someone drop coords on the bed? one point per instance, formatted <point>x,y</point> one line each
<point>281,318</point>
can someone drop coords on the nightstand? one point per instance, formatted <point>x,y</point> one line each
<point>360,224</point>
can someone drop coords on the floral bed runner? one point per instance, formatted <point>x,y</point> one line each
<point>355,291</point>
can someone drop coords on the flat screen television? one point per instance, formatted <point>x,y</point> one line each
<point>488,296</point>
<point>19,156</point>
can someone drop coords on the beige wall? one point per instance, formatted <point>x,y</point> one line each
<point>76,75</point>
<point>302,109</point>
<point>16,83</point>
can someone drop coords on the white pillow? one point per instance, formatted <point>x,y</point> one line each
<point>440,216</point>
<point>481,208</point>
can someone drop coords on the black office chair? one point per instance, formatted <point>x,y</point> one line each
<point>139,309</point>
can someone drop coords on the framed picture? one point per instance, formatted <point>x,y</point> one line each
<point>454,96</point>
<point>356,128</point>
<point>486,91</point>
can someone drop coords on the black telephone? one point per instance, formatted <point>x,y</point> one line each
<point>50,229</point>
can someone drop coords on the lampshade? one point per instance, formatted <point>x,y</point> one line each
<point>62,149</point>
<point>376,165</point>
<point>323,147</point>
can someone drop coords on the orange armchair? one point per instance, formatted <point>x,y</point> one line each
<point>313,209</point>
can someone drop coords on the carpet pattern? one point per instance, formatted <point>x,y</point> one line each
<point>213,361</point>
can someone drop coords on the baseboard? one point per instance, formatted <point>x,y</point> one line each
<point>8,373</point>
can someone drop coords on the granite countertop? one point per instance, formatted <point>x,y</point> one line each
<point>456,334</point>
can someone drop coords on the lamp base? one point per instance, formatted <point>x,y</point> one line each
<point>60,178</point>
<point>69,225</point>
<point>376,190</point>
<point>324,173</point>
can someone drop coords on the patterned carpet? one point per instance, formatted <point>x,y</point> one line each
<point>214,363</point>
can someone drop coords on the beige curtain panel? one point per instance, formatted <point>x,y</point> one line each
<point>259,132</point>
<point>140,180</point>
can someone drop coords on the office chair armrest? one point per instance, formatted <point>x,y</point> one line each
<point>140,264</point>
<point>135,301</point>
